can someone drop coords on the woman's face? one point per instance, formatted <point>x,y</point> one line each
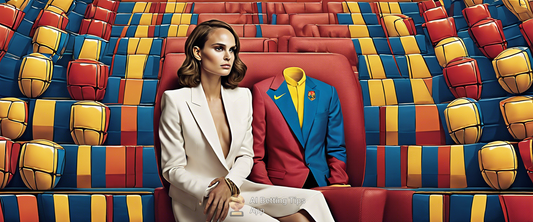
<point>217,56</point>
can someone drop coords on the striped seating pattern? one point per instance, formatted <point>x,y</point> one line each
<point>404,95</point>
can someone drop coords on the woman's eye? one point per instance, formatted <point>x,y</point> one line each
<point>232,50</point>
<point>218,48</point>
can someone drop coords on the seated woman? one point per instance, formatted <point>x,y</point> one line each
<point>206,141</point>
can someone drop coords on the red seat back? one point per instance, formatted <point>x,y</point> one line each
<point>298,21</point>
<point>343,46</point>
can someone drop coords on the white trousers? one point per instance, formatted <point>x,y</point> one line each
<point>265,203</point>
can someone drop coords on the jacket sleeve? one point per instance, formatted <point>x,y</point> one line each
<point>335,145</point>
<point>244,160</point>
<point>259,173</point>
<point>173,155</point>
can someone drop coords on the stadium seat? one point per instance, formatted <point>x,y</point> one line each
<point>405,125</point>
<point>109,167</point>
<point>77,207</point>
<point>99,13</point>
<point>95,27</point>
<point>225,7</point>
<point>404,45</point>
<point>130,91</point>
<point>281,10</point>
<point>234,18</point>
<point>343,31</point>
<point>341,46</point>
<point>435,14</point>
<point>11,16</point>
<point>298,21</point>
<point>384,92</point>
<point>378,67</point>
<point>177,45</point>
<point>440,29</point>
<point>488,36</point>
<point>50,18</point>
<point>423,166</point>
<point>476,13</point>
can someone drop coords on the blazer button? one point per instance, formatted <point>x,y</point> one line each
<point>308,164</point>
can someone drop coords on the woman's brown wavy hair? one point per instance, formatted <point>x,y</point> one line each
<point>189,72</point>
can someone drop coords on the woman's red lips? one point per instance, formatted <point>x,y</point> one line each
<point>226,66</point>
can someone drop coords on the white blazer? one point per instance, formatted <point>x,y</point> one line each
<point>191,155</point>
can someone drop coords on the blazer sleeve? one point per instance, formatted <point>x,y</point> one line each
<point>259,172</point>
<point>173,156</point>
<point>244,159</point>
<point>335,145</point>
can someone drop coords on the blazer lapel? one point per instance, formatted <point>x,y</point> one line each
<point>312,95</point>
<point>202,115</point>
<point>282,98</point>
<point>233,114</point>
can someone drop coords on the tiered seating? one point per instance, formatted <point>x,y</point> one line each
<point>410,59</point>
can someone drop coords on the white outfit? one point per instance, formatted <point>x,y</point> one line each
<point>191,157</point>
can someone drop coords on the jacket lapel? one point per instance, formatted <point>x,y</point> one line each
<point>279,93</point>
<point>233,114</point>
<point>310,107</point>
<point>202,115</point>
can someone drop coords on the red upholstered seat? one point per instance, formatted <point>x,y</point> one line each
<point>5,36</point>
<point>440,29</point>
<point>488,36</point>
<point>526,28</point>
<point>11,16</point>
<point>280,34</point>
<point>345,202</point>
<point>233,18</point>
<point>225,7</point>
<point>283,9</point>
<point>435,13</point>
<point>50,18</point>
<point>316,65</point>
<point>399,206</point>
<point>343,46</point>
<point>298,21</point>
<point>177,45</point>
<point>245,30</point>
<point>99,13</point>
<point>476,13</point>
<point>333,31</point>
<point>427,5</point>
<point>107,4</point>
<point>95,27</point>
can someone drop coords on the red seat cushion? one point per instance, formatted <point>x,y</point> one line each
<point>87,79</point>
<point>177,45</point>
<point>50,18</point>
<point>11,16</point>
<point>426,5</point>
<point>95,27</point>
<point>343,46</point>
<point>476,13</point>
<point>298,21</point>
<point>232,18</point>
<point>349,204</point>
<point>463,78</point>
<point>440,29</point>
<point>488,36</point>
<point>107,4</point>
<point>435,13</point>
<point>99,13</point>
<point>527,31</point>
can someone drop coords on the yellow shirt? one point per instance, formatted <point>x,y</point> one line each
<point>295,78</point>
